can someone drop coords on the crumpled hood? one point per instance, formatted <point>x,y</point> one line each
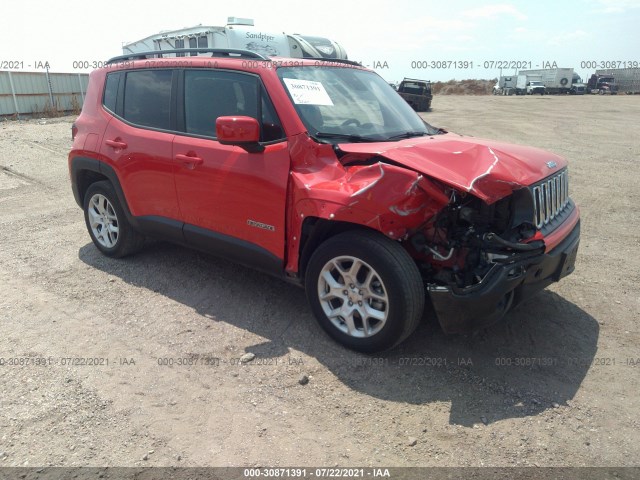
<point>488,169</point>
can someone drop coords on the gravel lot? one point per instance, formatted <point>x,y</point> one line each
<point>555,384</point>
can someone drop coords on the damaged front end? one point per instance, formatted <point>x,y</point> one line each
<point>508,230</point>
<point>479,260</point>
<point>483,242</point>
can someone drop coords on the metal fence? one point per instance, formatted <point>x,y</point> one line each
<point>31,93</point>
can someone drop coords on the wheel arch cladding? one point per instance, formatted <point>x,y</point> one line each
<point>85,171</point>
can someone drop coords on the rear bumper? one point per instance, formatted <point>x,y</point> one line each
<point>461,310</point>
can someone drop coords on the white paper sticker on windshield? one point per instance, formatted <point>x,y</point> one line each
<point>307,92</point>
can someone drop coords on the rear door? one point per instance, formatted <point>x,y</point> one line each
<point>231,201</point>
<point>138,142</point>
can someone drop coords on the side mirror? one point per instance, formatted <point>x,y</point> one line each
<point>241,131</point>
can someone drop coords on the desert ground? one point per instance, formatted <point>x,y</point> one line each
<point>139,361</point>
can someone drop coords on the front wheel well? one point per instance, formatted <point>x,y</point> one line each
<point>317,230</point>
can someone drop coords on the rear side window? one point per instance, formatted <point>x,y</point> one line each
<point>147,98</point>
<point>111,91</point>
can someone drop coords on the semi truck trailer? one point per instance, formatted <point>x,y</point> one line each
<point>555,80</point>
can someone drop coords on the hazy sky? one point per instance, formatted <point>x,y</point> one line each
<point>397,32</point>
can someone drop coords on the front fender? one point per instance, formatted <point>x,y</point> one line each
<point>390,199</point>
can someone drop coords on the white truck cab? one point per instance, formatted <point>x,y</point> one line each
<point>535,87</point>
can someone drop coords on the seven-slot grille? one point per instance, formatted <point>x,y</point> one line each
<point>550,197</point>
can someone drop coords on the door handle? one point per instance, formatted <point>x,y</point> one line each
<point>116,143</point>
<point>189,160</point>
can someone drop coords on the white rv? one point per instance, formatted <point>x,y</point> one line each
<point>239,33</point>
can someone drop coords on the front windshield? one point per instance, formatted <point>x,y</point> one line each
<point>337,103</point>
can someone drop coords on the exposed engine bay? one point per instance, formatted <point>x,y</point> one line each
<point>460,244</point>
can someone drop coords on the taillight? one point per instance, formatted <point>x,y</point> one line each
<point>74,131</point>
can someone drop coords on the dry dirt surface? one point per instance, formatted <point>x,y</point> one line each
<point>137,362</point>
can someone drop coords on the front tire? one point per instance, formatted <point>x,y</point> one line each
<point>365,291</point>
<point>107,223</point>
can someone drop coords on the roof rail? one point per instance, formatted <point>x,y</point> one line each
<point>215,52</point>
<point>407,79</point>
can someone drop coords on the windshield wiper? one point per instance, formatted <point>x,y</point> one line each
<point>407,135</point>
<point>350,137</point>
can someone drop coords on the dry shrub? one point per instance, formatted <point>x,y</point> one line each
<point>51,111</point>
<point>463,87</point>
<point>75,105</point>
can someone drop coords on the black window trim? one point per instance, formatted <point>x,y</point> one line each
<point>177,115</point>
<point>104,90</point>
<point>120,98</point>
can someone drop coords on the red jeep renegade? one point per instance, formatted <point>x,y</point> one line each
<point>318,172</point>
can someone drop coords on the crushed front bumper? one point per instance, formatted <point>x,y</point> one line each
<point>461,310</point>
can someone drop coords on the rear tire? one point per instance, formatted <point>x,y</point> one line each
<point>365,291</point>
<point>107,223</point>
